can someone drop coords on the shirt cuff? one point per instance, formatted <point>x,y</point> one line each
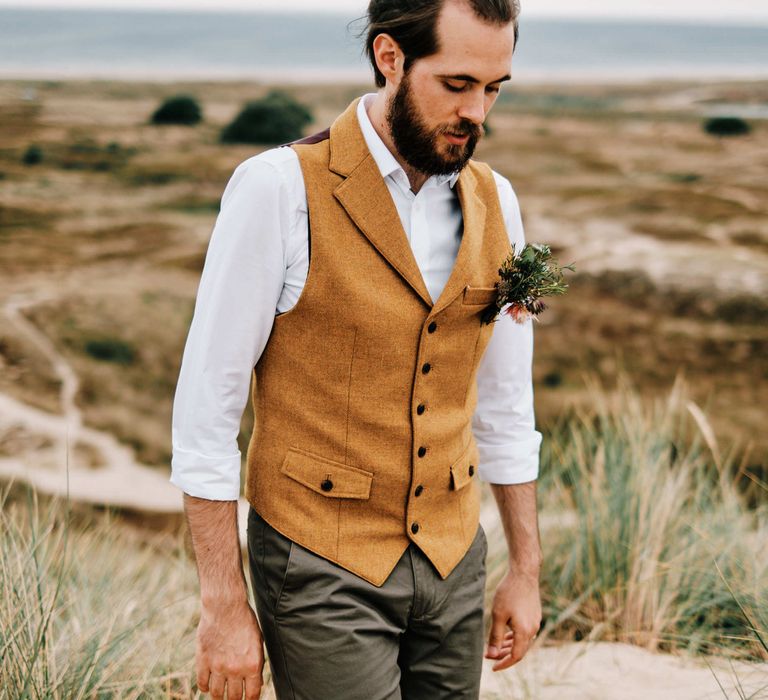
<point>213,478</point>
<point>515,463</point>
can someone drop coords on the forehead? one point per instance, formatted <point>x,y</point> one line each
<point>471,45</point>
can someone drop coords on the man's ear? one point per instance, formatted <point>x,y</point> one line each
<point>389,58</point>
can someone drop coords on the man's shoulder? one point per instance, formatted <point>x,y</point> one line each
<point>273,161</point>
<point>271,171</point>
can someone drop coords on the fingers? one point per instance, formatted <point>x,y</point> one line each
<point>516,652</point>
<point>496,637</point>
<point>203,674</point>
<point>234,688</point>
<point>507,646</point>
<point>252,687</point>
<point>217,682</point>
<point>513,649</point>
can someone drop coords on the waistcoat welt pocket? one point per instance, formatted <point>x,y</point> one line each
<point>480,295</point>
<point>325,476</point>
<point>465,467</point>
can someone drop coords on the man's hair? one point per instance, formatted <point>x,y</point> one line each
<point>413,25</point>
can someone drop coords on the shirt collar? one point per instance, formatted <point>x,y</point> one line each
<point>386,162</point>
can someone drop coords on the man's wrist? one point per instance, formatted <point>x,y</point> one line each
<point>217,600</point>
<point>529,566</point>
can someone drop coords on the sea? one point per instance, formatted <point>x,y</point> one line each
<point>170,44</point>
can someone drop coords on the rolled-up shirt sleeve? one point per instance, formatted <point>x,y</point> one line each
<point>504,423</point>
<point>239,288</point>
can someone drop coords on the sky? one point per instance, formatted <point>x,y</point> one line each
<point>693,10</point>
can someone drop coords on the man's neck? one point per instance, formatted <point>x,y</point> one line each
<point>377,111</point>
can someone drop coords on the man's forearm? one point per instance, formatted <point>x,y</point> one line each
<point>518,510</point>
<point>213,528</point>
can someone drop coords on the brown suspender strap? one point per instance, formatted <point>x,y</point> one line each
<point>323,135</point>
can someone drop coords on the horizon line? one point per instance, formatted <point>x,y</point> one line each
<point>607,17</point>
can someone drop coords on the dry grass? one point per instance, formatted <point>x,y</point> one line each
<point>665,554</point>
<point>91,610</point>
<point>666,551</point>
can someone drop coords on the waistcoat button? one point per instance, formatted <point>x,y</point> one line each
<point>419,490</point>
<point>432,327</point>
<point>415,528</point>
<point>421,408</point>
<point>326,485</point>
<point>426,367</point>
<point>422,451</point>
<point>471,469</point>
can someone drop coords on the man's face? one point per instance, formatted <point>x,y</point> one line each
<point>436,113</point>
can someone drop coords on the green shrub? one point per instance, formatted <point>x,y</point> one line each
<point>111,350</point>
<point>274,119</point>
<point>726,126</point>
<point>181,109</point>
<point>33,155</point>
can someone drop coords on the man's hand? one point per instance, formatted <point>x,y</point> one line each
<point>229,652</point>
<point>516,612</point>
<point>515,619</point>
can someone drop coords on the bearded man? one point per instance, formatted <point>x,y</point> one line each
<point>348,273</point>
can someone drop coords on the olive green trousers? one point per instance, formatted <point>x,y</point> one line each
<point>331,635</point>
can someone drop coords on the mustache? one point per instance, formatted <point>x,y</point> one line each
<point>464,128</point>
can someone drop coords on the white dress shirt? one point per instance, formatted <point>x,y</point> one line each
<point>255,268</point>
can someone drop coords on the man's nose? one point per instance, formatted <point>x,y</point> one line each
<point>473,108</point>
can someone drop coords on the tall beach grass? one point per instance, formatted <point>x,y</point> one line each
<point>663,550</point>
<point>90,611</point>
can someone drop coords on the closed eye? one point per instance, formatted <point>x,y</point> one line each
<point>463,88</point>
<point>454,88</point>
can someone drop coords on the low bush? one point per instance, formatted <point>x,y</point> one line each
<point>276,118</point>
<point>111,350</point>
<point>33,155</point>
<point>726,126</point>
<point>180,109</point>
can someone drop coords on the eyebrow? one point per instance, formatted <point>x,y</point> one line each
<point>472,79</point>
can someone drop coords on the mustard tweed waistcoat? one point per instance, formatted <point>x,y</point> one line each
<point>364,394</point>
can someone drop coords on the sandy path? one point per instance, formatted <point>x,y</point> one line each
<point>57,468</point>
<point>612,671</point>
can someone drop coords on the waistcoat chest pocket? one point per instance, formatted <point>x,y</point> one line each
<point>481,296</point>
<point>325,476</point>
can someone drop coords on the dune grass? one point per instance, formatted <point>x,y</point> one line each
<point>665,552</point>
<point>89,611</point>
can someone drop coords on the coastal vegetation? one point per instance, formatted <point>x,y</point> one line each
<point>274,119</point>
<point>179,109</point>
<point>647,539</point>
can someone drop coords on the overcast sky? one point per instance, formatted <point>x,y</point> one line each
<point>695,10</point>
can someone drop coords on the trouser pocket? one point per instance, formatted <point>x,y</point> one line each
<point>269,554</point>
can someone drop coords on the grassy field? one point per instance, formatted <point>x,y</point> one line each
<point>662,551</point>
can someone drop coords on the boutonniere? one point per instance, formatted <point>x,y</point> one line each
<point>524,279</point>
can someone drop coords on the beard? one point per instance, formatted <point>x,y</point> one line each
<point>418,145</point>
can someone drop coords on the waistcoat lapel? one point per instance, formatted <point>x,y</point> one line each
<point>366,199</point>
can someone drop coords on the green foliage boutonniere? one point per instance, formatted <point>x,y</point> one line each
<point>525,278</point>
